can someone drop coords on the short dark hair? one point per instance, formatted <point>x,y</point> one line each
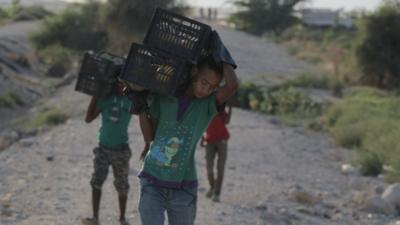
<point>209,62</point>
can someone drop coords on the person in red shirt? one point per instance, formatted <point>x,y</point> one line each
<point>215,141</point>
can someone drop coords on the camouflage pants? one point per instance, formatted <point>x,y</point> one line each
<point>119,161</point>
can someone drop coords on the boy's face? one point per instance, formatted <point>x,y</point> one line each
<point>205,81</point>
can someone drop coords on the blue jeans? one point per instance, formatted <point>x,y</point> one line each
<point>180,204</point>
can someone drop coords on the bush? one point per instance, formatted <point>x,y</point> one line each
<point>379,52</point>
<point>314,81</point>
<point>17,12</point>
<point>31,13</point>
<point>330,49</point>
<point>47,116</point>
<point>277,100</point>
<point>368,120</point>
<point>371,164</point>
<point>135,15</point>
<point>77,29</point>
<point>56,55</point>
<point>3,14</point>
<point>259,16</point>
<point>10,99</point>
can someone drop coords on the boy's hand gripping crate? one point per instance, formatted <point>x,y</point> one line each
<point>98,74</point>
<point>177,35</point>
<point>153,70</point>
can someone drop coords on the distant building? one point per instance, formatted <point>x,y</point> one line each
<point>324,18</point>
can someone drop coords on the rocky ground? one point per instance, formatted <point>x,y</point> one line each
<point>19,70</point>
<point>275,175</point>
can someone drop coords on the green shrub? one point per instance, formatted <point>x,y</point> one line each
<point>47,116</point>
<point>371,164</point>
<point>308,81</point>
<point>273,100</point>
<point>259,16</point>
<point>314,81</point>
<point>311,57</point>
<point>77,29</point>
<point>378,53</point>
<point>3,14</point>
<point>10,99</point>
<point>368,120</point>
<point>31,13</point>
<point>243,94</point>
<point>56,55</point>
<point>136,15</point>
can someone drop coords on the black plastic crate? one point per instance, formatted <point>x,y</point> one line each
<point>153,70</point>
<point>178,35</point>
<point>98,73</point>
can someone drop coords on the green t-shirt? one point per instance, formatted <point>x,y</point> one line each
<point>170,161</point>
<point>115,120</point>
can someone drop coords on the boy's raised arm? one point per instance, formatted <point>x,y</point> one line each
<point>229,115</point>
<point>231,84</point>
<point>148,127</point>
<point>92,111</point>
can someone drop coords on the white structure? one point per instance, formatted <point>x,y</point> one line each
<point>324,18</point>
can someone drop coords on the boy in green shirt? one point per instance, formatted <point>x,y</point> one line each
<point>113,149</point>
<point>171,128</point>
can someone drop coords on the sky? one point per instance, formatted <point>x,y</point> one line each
<point>332,4</point>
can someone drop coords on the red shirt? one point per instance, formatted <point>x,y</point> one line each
<point>216,130</point>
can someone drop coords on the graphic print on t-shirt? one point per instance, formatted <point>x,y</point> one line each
<point>165,152</point>
<point>171,147</point>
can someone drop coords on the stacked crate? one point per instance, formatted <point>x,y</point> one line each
<point>162,64</point>
<point>171,45</point>
<point>98,74</point>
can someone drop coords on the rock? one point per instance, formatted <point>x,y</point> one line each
<point>57,70</point>
<point>261,206</point>
<point>359,198</point>
<point>29,133</point>
<point>378,205</point>
<point>275,121</point>
<point>306,211</point>
<point>27,142</point>
<point>222,213</point>
<point>392,194</point>
<point>357,184</point>
<point>50,158</point>
<point>301,196</point>
<point>4,143</point>
<point>282,210</point>
<point>379,189</point>
<point>6,212</point>
<point>14,135</point>
<point>6,200</point>
<point>337,216</point>
<point>22,60</point>
<point>348,169</point>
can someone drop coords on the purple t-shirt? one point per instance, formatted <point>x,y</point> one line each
<point>183,105</point>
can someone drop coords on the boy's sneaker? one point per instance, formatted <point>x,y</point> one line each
<point>215,198</point>
<point>90,221</point>
<point>210,193</point>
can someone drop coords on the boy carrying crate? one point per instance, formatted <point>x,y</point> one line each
<point>113,149</point>
<point>172,128</point>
